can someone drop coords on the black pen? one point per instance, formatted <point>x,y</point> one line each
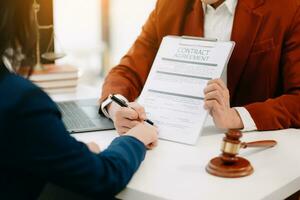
<point>122,103</point>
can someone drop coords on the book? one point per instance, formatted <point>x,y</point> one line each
<point>57,83</point>
<point>53,72</point>
<point>60,90</point>
<point>54,78</point>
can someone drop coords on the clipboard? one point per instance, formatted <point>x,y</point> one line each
<point>173,95</point>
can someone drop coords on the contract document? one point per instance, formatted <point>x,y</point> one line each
<point>173,95</point>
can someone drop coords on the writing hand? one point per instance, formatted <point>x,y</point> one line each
<point>126,118</point>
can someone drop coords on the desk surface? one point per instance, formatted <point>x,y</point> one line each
<point>177,171</point>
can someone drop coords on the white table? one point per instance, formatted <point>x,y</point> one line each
<point>177,171</point>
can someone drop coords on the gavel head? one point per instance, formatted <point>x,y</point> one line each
<point>228,164</point>
<point>231,146</point>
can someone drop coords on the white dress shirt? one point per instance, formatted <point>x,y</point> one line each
<point>218,24</point>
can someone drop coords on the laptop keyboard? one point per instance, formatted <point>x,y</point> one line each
<point>73,116</point>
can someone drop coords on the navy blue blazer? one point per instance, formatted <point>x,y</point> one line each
<point>35,149</point>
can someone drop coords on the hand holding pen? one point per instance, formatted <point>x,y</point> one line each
<point>125,121</point>
<point>125,118</point>
<point>122,103</point>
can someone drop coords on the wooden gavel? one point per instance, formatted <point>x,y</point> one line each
<point>228,164</point>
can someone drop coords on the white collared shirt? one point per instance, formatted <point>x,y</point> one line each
<point>218,24</point>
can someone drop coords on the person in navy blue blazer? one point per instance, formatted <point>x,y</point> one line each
<point>35,148</point>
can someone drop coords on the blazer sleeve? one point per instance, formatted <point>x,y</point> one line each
<point>40,145</point>
<point>284,111</point>
<point>129,77</point>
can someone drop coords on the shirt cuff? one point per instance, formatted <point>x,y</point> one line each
<point>108,101</point>
<point>249,124</point>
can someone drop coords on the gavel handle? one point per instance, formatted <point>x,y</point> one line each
<point>262,143</point>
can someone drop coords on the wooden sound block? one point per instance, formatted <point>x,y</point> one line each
<point>240,168</point>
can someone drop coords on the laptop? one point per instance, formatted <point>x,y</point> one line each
<point>82,116</point>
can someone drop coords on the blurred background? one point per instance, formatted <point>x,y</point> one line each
<point>94,34</point>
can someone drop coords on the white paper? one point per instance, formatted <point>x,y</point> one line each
<point>173,93</point>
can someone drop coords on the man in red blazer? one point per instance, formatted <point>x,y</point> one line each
<point>260,89</point>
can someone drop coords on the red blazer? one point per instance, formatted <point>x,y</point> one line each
<point>264,70</point>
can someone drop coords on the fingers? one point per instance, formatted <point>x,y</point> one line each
<point>217,102</point>
<point>127,118</point>
<point>139,109</point>
<point>212,87</point>
<point>122,130</point>
<point>93,147</point>
<point>121,121</point>
<point>218,82</point>
<point>219,85</point>
<point>217,90</point>
<point>217,96</point>
<point>212,105</point>
<point>152,145</point>
<point>146,133</point>
<point>124,125</point>
<point>127,113</point>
